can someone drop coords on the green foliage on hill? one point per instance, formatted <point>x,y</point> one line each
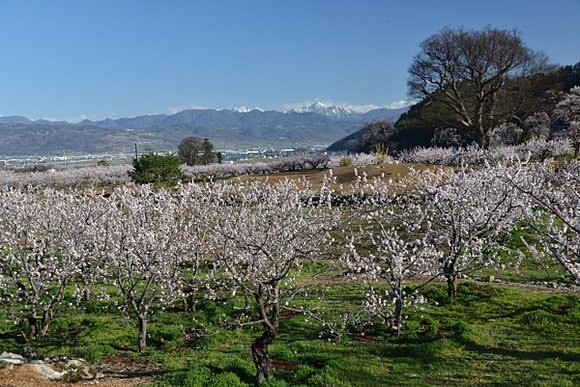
<point>537,93</point>
<point>416,127</point>
<point>367,139</point>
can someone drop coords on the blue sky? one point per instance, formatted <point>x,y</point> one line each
<point>75,59</point>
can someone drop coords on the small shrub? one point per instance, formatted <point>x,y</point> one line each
<point>436,295</point>
<point>460,328</point>
<point>324,378</point>
<point>302,373</point>
<point>226,379</point>
<point>471,291</point>
<point>167,336</point>
<point>437,348</point>
<point>412,329</point>
<point>381,152</point>
<point>274,383</point>
<point>539,318</point>
<point>194,377</point>
<point>283,352</point>
<point>421,328</point>
<point>345,161</point>
<point>123,342</point>
<point>554,310</point>
<point>241,367</point>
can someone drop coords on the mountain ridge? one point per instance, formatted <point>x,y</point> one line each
<point>226,128</point>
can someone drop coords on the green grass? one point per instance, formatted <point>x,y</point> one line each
<point>526,270</point>
<point>490,334</point>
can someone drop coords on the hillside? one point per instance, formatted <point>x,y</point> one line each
<point>416,126</point>
<point>228,129</point>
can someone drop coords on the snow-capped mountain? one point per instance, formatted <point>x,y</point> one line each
<point>225,127</point>
<point>334,111</point>
<point>245,109</point>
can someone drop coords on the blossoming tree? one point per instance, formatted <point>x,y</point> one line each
<point>264,234</point>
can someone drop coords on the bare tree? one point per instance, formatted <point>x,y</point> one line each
<point>190,150</point>
<point>377,134</point>
<point>196,151</point>
<point>471,73</point>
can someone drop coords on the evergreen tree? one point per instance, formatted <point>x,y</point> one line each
<point>208,156</point>
<point>156,168</point>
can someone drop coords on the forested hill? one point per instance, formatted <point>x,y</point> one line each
<point>416,127</point>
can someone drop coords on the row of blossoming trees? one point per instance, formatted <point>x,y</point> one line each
<point>537,149</point>
<point>150,248</point>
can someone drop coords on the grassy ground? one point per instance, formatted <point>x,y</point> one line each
<point>345,176</point>
<point>490,334</point>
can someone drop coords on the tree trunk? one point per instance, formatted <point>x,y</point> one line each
<point>451,285</point>
<point>32,327</point>
<point>398,314</point>
<point>485,138</point>
<point>260,355</point>
<point>190,297</point>
<point>142,343</point>
<point>45,321</point>
<point>86,294</point>
<point>450,272</point>
<point>397,294</point>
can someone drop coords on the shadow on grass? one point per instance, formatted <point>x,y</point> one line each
<point>133,374</point>
<point>522,355</point>
<point>426,351</point>
<point>290,330</point>
<point>17,336</point>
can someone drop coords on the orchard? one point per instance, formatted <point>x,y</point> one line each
<point>269,259</point>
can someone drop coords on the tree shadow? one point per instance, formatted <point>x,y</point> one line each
<point>522,355</point>
<point>133,374</point>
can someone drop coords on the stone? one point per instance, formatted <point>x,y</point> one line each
<point>47,372</point>
<point>11,358</point>
<point>59,368</point>
<point>75,370</point>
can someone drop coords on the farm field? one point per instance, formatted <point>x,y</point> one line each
<point>345,176</point>
<point>513,318</point>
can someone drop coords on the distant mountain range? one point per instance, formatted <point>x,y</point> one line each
<point>240,128</point>
<point>334,111</point>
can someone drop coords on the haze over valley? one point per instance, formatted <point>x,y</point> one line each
<point>314,125</point>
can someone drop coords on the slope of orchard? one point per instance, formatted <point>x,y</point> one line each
<point>176,285</point>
